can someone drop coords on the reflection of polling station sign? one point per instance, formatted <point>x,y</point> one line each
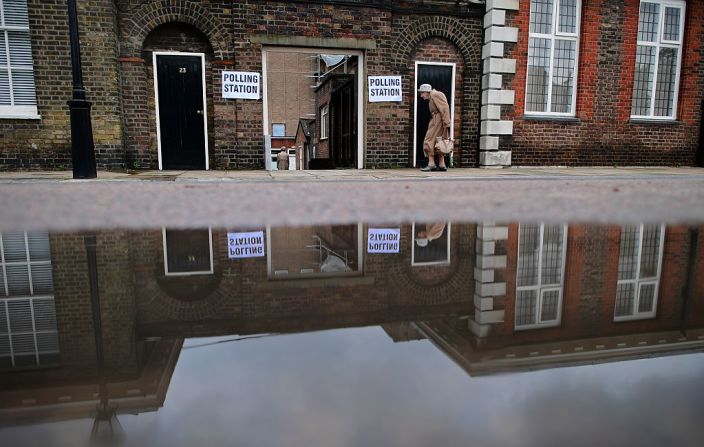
<point>240,85</point>
<point>384,88</point>
<point>245,245</point>
<point>383,240</point>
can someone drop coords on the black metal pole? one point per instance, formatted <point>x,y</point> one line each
<point>82,148</point>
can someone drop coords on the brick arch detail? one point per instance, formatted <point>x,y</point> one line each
<point>155,14</point>
<point>447,28</point>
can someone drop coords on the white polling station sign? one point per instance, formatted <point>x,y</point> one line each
<point>383,240</point>
<point>245,245</point>
<point>384,88</point>
<point>240,85</point>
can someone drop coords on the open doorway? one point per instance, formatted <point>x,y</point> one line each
<point>441,76</point>
<point>312,107</point>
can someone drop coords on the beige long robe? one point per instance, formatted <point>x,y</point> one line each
<point>439,121</point>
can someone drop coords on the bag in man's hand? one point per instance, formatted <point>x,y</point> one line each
<point>444,145</point>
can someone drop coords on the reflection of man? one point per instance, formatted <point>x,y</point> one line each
<point>439,125</point>
<point>282,160</point>
<point>432,232</point>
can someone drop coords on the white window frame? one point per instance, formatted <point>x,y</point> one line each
<point>324,114</point>
<point>556,35</point>
<point>15,111</point>
<point>6,299</point>
<point>661,43</point>
<point>638,281</point>
<point>539,287</point>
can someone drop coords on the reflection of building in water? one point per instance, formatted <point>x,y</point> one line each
<point>47,330</point>
<point>543,296</point>
<point>583,294</point>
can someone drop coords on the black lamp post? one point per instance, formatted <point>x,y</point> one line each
<point>107,430</point>
<point>82,148</point>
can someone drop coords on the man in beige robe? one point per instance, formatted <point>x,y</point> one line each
<point>439,125</point>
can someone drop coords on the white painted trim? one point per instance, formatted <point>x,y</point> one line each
<point>269,273</point>
<point>200,272</point>
<point>361,70</point>
<point>265,96</point>
<point>413,241</point>
<point>414,89</point>
<point>156,100</point>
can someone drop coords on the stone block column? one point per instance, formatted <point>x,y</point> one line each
<point>487,286</point>
<point>495,65</point>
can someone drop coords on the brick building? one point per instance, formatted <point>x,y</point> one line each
<point>501,298</point>
<point>531,82</point>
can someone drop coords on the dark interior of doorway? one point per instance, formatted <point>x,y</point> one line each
<point>440,78</point>
<point>343,125</point>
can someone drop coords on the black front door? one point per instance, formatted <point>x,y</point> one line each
<point>343,129</point>
<point>440,78</point>
<point>187,251</point>
<point>181,111</point>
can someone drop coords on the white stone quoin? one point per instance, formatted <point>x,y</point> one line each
<point>495,65</point>
<point>486,288</point>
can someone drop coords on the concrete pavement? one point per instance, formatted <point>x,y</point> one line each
<point>187,199</point>
<point>358,174</point>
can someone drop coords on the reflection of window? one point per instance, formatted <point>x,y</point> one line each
<point>17,92</point>
<point>188,252</point>
<point>28,334</point>
<point>278,130</point>
<point>658,55</point>
<point>552,56</point>
<point>324,122</point>
<point>639,262</point>
<point>540,275</point>
<point>315,251</point>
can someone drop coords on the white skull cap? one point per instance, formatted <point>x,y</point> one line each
<point>425,88</point>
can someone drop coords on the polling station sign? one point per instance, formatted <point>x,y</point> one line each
<point>245,245</point>
<point>384,88</point>
<point>383,240</point>
<point>240,85</point>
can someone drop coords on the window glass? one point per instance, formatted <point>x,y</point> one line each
<point>552,57</point>
<point>658,58</point>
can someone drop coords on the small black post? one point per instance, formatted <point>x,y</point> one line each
<point>82,148</point>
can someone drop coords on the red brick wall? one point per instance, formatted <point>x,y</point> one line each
<point>244,299</point>
<point>589,295</point>
<point>602,133</point>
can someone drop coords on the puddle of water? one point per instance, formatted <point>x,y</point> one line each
<point>417,333</point>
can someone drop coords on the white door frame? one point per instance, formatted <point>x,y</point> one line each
<point>448,227</point>
<point>415,103</point>
<point>361,146</point>
<point>156,100</point>
<point>200,272</point>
